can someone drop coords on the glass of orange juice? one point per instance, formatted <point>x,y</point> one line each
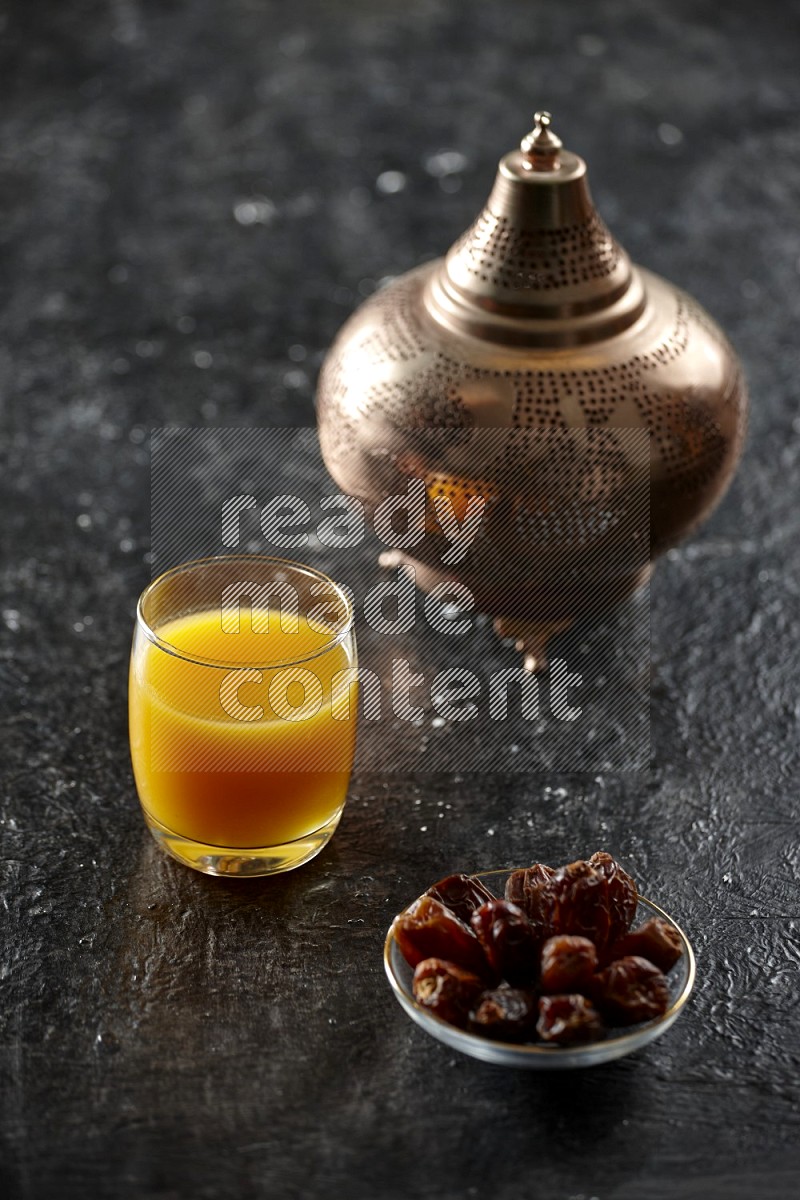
<point>242,711</point>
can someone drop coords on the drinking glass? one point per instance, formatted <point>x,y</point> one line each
<point>242,710</point>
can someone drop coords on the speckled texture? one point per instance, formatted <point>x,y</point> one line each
<point>194,196</point>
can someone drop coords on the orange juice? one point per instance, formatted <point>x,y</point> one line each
<point>229,753</point>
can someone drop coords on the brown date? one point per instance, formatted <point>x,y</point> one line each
<point>515,887</point>
<point>509,939</point>
<point>656,941</point>
<point>580,903</point>
<point>568,964</point>
<point>567,1020</point>
<point>462,894</point>
<point>528,888</point>
<point>447,990</point>
<point>508,1014</point>
<point>428,930</point>
<point>623,895</point>
<point>630,990</point>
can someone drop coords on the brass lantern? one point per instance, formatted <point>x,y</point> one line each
<point>596,408</point>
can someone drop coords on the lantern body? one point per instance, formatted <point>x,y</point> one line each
<point>596,408</point>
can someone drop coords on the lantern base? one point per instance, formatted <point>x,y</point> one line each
<point>531,638</point>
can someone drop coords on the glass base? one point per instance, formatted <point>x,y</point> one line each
<point>248,862</point>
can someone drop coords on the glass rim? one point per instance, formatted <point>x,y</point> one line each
<point>226,665</point>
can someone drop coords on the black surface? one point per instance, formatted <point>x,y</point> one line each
<point>170,1035</point>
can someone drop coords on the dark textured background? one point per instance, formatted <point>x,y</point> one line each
<point>170,1035</point>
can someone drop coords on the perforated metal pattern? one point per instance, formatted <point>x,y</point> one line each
<point>511,259</point>
<point>391,374</point>
<point>597,391</point>
<point>397,338</point>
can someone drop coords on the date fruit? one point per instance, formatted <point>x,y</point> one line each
<point>568,964</point>
<point>428,930</point>
<point>630,990</point>
<point>623,895</point>
<point>509,940</point>
<point>656,941</point>
<point>515,887</point>
<point>567,1020</point>
<point>580,903</point>
<point>508,1014</point>
<point>528,888</point>
<point>447,990</point>
<point>594,899</point>
<point>461,894</point>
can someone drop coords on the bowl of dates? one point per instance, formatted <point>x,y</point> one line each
<point>540,967</point>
